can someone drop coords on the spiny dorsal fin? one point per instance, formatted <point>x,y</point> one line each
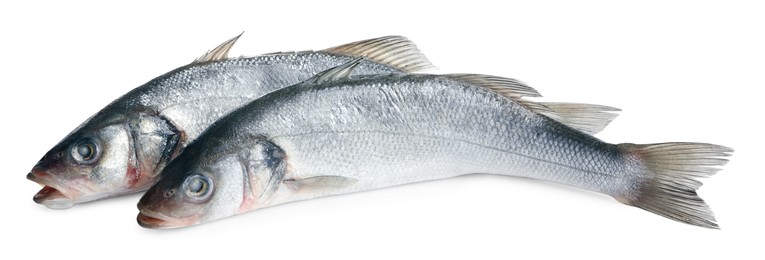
<point>587,118</point>
<point>336,73</point>
<point>218,53</point>
<point>395,51</point>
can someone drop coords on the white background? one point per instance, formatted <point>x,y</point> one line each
<point>681,71</point>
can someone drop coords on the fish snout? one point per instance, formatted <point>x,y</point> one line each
<point>157,210</point>
<point>50,159</point>
<point>151,200</point>
<point>148,205</point>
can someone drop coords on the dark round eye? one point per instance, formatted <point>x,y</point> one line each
<point>198,187</point>
<point>85,151</point>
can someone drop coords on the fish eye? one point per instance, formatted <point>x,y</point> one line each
<point>85,151</point>
<point>198,187</point>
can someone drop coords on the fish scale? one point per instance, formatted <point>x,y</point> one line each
<point>416,118</point>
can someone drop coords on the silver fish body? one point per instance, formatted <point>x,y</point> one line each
<point>122,148</point>
<point>343,136</point>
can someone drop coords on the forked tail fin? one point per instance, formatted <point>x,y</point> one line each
<point>668,184</point>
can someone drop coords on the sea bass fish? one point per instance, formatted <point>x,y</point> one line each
<point>122,148</point>
<point>334,135</point>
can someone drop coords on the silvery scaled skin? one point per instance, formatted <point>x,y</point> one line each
<point>332,136</point>
<point>123,147</point>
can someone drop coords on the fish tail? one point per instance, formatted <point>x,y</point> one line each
<point>666,183</point>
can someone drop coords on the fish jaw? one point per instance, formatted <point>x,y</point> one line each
<point>52,198</point>
<point>59,194</point>
<point>53,195</point>
<point>154,220</point>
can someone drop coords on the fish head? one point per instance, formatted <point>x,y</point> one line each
<point>83,166</point>
<point>200,187</point>
<point>104,157</point>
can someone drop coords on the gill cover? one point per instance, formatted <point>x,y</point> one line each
<point>155,141</point>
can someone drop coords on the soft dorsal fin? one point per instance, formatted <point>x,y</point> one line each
<point>587,118</point>
<point>395,51</point>
<point>336,73</point>
<point>218,53</point>
<point>511,88</point>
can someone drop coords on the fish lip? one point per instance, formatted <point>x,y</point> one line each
<point>53,194</point>
<point>155,220</point>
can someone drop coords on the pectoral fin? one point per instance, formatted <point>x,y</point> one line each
<point>319,184</point>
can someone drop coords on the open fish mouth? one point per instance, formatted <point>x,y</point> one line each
<point>51,195</point>
<point>155,220</point>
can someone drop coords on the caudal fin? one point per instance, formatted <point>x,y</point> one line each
<point>668,185</point>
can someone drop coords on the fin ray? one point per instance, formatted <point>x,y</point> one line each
<point>336,73</point>
<point>395,51</point>
<point>587,118</point>
<point>319,184</point>
<point>508,87</point>
<point>218,53</point>
<point>669,185</point>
